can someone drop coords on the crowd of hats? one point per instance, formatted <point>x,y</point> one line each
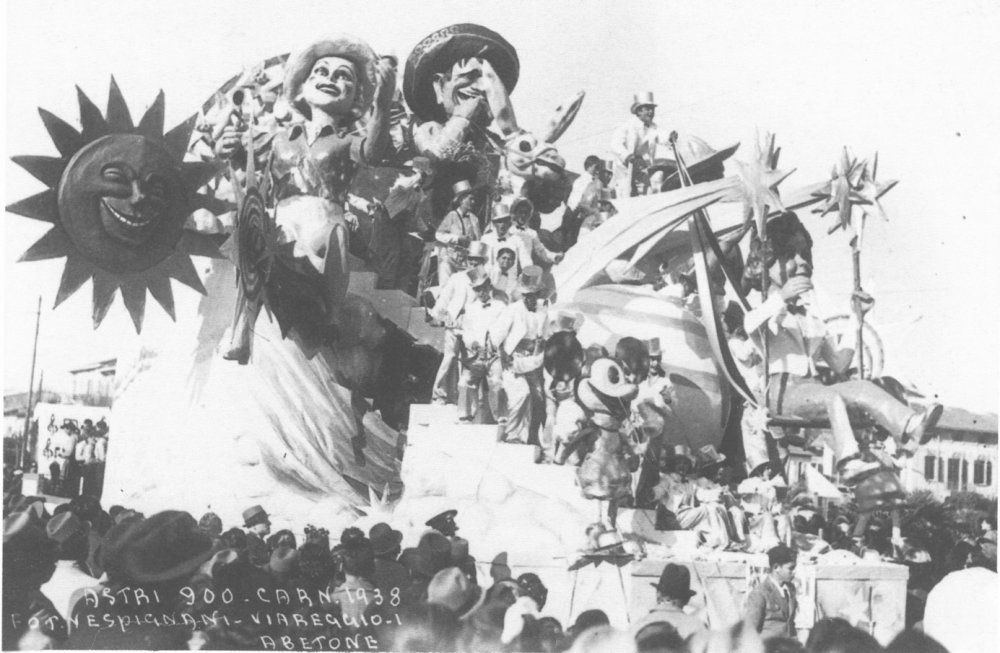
<point>429,596</point>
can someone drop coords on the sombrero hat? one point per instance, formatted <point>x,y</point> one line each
<point>698,157</point>
<point>440,50</point>
<point>347,47</point>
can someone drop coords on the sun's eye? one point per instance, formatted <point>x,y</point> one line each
<point>114,173</point>
<point>156,186</point>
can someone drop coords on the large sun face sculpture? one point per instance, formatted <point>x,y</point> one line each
<point>118,199</point>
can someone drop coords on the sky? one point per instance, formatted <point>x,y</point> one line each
<point>914,81</point>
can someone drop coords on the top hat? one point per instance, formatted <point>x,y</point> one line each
<point>501,211</point>
<point>653,344</point>
<point>444,522</point>
<point>608,378</point>
<point>478,277</point>
<point>355,50</point>
<point>421,163</point>
<point>451,588</point>
<point>440,50</point>
<point>675,582</point>
<point>642,100</point>
<point>681,451</point>
<point>478,249</point>
<point>568,320</point>
<point>709,456</point>
<point>461,188</point>
<point>530,280</point>
<point>166,546</point>
<point>608,165</point>
<point>384,538</point>
<point>254,515</point>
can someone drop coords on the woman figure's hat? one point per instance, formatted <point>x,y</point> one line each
<point>644,99</point>
<point>440,50</point>
<point>353,49</point>
<point>530,280</point>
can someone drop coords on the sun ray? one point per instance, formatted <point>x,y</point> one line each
<point>134,296</point>
<point>105,286</point>
<point>151,124</point>
<point>119,117</point>
<point>46,169</point>
<point>53,244</point>
<point>199,244</point>
<point>182,269</point>
<point>42,206</point>
<point>76,273</point>
<point>198,173</point>
<point>159,288</point>
<point>93,123</point>
<point>65,137</point>
<point>212,203</point>
<point>178,138</point>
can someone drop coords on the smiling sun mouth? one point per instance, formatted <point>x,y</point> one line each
<point>125,218</point>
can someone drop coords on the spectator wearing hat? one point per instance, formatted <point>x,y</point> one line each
<point>459,227</point>
<point>29,561</point>
<point>70,535</point>
<point>450,307</point>
<point>480,367</point>
<point>356,593</point>
<point>156,556</point>
<point>444,523</point>
<point>389,573</point>
<point>452,589</point>
<point>258,525</point>
<point>636,146</point>
<point>519,336</point>
<point>771,605</point>
<point>673,591</point>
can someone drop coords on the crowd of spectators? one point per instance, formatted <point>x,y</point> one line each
<point>85,577</point>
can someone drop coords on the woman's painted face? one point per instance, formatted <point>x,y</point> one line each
<point>331,85</point>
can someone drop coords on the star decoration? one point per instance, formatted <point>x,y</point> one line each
<point>870,191</point>
<point>839,192</point>
<point>759,180</point>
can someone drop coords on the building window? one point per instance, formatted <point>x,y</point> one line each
<point>982,472</point>
<point>930,463</point>
<point>965,474</point>
<point>953,473</point>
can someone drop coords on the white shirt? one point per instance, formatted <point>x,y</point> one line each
<point>532,248</point>
<point>479,320</point>
<point>505,282</point>
<point>637,139</point>
<point>66,581</point>
<point>454,297</point>
<point>793,340</point>
<point>510,241</point>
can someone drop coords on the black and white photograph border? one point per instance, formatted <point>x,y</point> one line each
<point>425,361</point>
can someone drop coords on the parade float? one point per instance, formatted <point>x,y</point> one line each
<point>304,384</point>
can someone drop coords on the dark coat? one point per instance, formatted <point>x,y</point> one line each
<point>770,612</point>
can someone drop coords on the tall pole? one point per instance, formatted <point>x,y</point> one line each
<point>860,344</point>
<point>31,387</point>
